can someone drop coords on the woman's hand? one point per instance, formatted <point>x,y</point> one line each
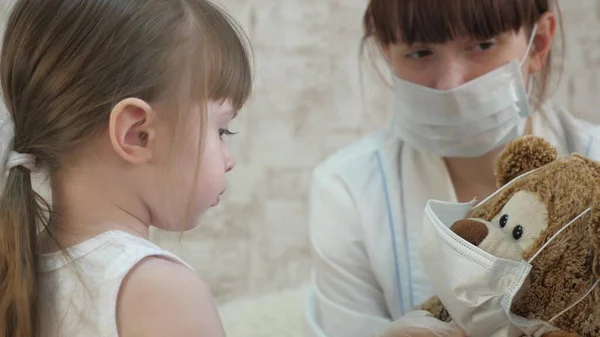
<point>421,324</point>
<point>425,332</point>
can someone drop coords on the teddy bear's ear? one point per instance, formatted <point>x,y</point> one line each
<point>592,164</point>
<point>522,155</point>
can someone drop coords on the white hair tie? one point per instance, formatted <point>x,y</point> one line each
<point>20,159</point>
<point>8,157</point>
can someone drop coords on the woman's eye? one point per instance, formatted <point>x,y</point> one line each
<point>419,54</point>
<point>485,45</point>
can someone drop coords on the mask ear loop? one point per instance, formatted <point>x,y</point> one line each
<point>531,81</point>
<point>557,233</point>
<point>529,44</point>
<point>498,191</point>
<point>550,241</point>
<point>578,301</point>
<point>531,84</point>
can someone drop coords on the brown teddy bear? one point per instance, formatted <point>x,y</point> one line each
<point>518,221</point>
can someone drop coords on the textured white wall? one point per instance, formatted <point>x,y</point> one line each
<point>580,86</point>
<point>307,103</point>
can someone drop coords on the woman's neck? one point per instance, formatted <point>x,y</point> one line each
<point>473,177</point>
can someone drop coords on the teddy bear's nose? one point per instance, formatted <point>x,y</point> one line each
<point>470,230</point>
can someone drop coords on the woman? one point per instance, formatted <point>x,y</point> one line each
<point>470,76</point>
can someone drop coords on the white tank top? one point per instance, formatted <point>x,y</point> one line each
<point>79,290</point>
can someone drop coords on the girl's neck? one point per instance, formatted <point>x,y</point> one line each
<point>85,204</point>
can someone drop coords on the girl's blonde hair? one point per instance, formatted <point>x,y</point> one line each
<point>64,65</point>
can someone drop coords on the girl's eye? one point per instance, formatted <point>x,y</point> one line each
<point>485,45</point>
<point>419,54</point>
<point>225,132</point>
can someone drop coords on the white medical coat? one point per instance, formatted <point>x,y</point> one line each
<point>366,209</point>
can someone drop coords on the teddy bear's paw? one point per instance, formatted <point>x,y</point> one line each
<point>436,308</point>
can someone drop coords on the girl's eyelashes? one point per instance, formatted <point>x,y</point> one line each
<point>225,132</point>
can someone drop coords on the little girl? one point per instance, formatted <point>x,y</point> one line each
<point>123,104</point>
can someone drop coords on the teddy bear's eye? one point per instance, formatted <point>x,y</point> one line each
<point>517,232</point>
<point>503,220</point>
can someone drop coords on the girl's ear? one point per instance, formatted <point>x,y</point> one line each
<point>132,130</point>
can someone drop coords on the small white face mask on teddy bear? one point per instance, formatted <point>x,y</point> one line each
<point>477,288</point>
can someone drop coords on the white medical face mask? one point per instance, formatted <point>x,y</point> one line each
<point>476,287</point>
<point>467,121</point>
